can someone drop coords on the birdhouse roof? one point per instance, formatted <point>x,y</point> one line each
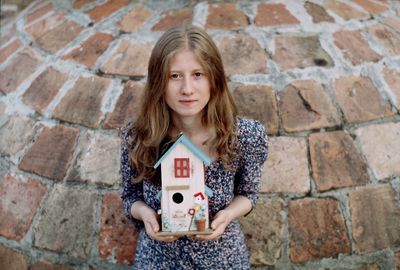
<point>193,148</point>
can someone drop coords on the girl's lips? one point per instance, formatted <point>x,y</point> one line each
<point>190,101</point>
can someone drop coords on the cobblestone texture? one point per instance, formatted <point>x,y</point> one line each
<point>322,76</point>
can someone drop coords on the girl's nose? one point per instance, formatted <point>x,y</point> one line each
<point>187,86</point>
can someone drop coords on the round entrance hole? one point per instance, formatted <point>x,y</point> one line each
<point>177,198</point>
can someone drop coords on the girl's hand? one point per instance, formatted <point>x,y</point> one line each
<point>219,223</point>
<point>149,217</point>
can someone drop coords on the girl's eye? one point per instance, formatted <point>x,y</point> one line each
<point>174,76</point>
<point>198,74</point>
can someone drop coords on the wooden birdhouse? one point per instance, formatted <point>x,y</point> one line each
<point>184,195</point>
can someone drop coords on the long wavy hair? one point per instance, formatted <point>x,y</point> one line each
<point>152,125</point>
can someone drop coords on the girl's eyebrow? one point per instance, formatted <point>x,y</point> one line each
<point>196,69</point>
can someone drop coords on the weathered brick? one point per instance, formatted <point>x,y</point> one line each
<point>354,47</point>
<point>263,230</point>
<point>393,22</point>
<point>392,78</point>
<point>242,55</point>
<point>2,107</point>
<point>300,52</point>
<point>44,265</point>
<point>273,14</point>
<point>225,16</point>
<point>16,134</point>
<point>258,102</point>
<point>8,33</point>
<point>81,3</point>
<point>91,49</point>
<point>305,105</point>
<point>371,7</point>
<point>67,222</point>
<point>25,62</point>
<point>128,59</point>
<point>100,12</point>
<point>382,230</point>
<point>397,260</point>
<point>13,260</point>
<point>135,18</point>
<point>19,199</point>
<point>43,89</point>
<point>174,18</point>
<point>287,168</point>
<point>41,27</point>
<point>360,100</point>
<point>386,37</point>
<point>97,160</point>
<point>127,107</point>
<point>52,152</point>
<point>82,103</point>
<point>318,13</point>
<point>38,13</point>
<point>383,157</point>
<point>9,49</point>
<point>335,161</point>
<point>370,266</point>
<point>317,230</point>
<point>60,36</point>
<point>118,236</point>
<point>344,10</point>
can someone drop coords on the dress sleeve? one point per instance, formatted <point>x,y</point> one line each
<point>254,144</point>
<point>131,192</point>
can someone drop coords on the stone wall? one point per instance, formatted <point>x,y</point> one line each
<point>321,75</point>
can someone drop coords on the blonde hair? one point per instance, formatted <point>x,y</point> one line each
<point>154,120</point>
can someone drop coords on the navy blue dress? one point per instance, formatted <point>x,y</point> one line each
<point>230,250</point>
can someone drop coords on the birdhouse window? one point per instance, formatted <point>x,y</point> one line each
<point>182,167</point>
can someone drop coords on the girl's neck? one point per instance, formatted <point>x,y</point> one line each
<point>190,126</point>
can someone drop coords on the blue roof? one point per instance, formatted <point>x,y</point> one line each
<point>195,150</point>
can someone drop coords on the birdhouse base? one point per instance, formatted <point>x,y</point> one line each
<point>206,232</point>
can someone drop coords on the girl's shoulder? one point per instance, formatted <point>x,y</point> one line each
<point>252,139</point>
<point>249,128</point>
<point>127,131</point>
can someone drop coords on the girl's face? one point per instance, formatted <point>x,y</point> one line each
<point>188,88</point>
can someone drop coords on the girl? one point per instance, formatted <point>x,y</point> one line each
<point>186,91</point>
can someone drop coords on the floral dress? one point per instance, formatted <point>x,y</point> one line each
<point>227,252</point>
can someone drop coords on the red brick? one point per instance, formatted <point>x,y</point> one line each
<point>397,260</point>
<point>38,13</point>
<point>90,50</point>
<point>305,105</point>
<point>375,215</point>
<point>44,265</point>
<point>97,160</point>
<point>300,52</point>
<point>392,78</point>
<point>12,260</point>
<point>7,33</point>
<point>19,200</point>
<point>41,27</point>
<point>387,37</point>
<point>128,59</point>
<point>174,18</point>
<point>345,11</point>
<point>317,230</point>
<point>225,16</point>
<point>100,12</point>
<point>242,55</point>
<point>82,103</point>
<point>60,36</point>
<point>43,89</point>
<point>134,20</point>
<point>383,157</point>
<point>273,14</point>
<point>118,236</point>
<point>25,62</point>
<point>51,154</point>
<point>127,106</point>
<point>318,13</point>
<point>360,100</point>
<point>336,162</point>
<point>287,168</point>
<point>393,22</point>
<point>264,230</point>
<point>258,102</point>
<point>9,49</point>
<point>80,3</point>
<point>355,47</point>
<point>371,7</point>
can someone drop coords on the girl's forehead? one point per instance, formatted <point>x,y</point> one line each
<point>184,59</point>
